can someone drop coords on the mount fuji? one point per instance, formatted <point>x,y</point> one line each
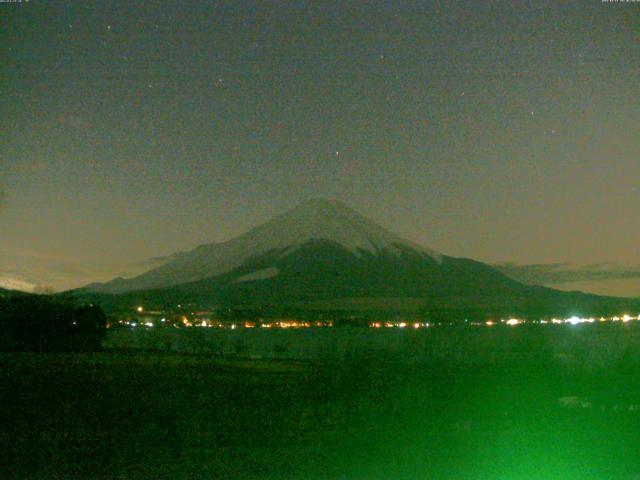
<point>309,223</point>
<point>324,255</point>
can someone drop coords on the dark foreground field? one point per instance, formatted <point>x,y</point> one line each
<point>163,415</point>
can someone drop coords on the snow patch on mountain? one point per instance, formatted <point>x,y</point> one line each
<point>263,274</point>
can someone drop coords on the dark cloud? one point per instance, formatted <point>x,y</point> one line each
<point>157,261</point>
<point>556,273</point>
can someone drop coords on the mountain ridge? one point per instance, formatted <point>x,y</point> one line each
<point>321,254</point>
<point>315,219</point>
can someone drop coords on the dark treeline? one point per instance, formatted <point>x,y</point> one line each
<point>47,323</point>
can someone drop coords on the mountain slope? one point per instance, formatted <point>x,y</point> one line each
<point>311,220</point>
<point>322,255</point>
<point>324,269</point>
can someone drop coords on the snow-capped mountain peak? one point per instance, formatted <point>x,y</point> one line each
<point>320,219</point>
<point>316,219</point>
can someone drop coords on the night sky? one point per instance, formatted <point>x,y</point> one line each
<point>504,132</point>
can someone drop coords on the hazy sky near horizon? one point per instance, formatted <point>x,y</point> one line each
<point>504,132</point>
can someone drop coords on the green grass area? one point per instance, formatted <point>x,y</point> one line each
<point>165,415</point>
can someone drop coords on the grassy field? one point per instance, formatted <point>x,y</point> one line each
<point>154,415</point>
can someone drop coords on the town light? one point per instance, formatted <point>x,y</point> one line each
<point>573,320</point>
